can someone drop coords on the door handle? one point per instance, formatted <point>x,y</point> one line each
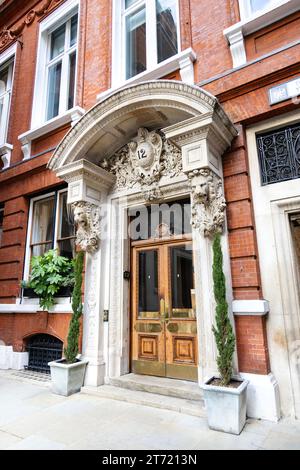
<point>164,310</point>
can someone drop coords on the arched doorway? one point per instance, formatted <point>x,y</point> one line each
<point>43,348</point>
<point>154,142</point>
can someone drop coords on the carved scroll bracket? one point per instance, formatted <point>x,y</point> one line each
<point>88,226</point>
<point>8,35</point>
<point>208,202</point>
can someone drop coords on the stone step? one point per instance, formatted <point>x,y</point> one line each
<point>160,386</point>
<point>179,405</point>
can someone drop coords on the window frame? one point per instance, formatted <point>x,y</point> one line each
<point>247,13</point>
<point>59,17</point>
<point>7,59</point>
<point>119,58</point>
<point>55,242</point>
<point>64,58</point>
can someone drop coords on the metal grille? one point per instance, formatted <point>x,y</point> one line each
<point>43,349</point>
<point>279,154</point>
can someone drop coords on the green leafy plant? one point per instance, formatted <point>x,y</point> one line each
<point>223,331</point>
<point>48,274</point>
<point>71,350</point>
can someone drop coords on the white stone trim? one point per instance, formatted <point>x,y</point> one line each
<point>183,61</point>
<point>9,359</point>
<point>103,119</point>
<point>70,116</point>
<point>253,22</point>
<point>8,53</point>
<point>237,47</point>
<point>263,401</point>
<point>5,155</point>
<point>273,204</point>
<point>33,307</point>
<point>250,307</point>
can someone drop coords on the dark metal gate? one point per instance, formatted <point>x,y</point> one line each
<point>42,349</point>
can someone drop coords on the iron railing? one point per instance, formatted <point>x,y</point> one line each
<point>42,349</point>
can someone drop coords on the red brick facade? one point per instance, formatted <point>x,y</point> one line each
<point>242,92</point>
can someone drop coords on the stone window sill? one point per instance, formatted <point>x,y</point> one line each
<point>236,33</point>
<point>250,307</point>
<point>32,306</point>
<point>183,61</point>
<point>71,116</point>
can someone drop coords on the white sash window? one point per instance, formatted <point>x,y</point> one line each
<point>146,33</point>
<point>6,80</point>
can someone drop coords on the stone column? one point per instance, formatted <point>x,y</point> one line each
<point>88,186</point>
<point>203,141</point>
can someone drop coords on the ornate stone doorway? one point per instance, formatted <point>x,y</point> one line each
<point>150,143</point>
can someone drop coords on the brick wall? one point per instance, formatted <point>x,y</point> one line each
<point>16,328</point>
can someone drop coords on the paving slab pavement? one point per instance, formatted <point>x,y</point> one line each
<point>31,417</point>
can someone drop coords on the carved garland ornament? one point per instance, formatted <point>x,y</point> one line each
<point>9,35</point>
<point>88,230</point>
<point>143,162</point>
<point>208,202</point>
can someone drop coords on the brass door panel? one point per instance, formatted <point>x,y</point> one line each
<point>164,330</point>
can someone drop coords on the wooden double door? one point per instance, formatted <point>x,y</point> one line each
<point>163,323</point>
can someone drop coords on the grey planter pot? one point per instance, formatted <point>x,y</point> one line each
<point>67,379</point>
<point>226,407</point>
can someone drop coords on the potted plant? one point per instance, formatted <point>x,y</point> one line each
<point>225,396</point>
<point>67,374</point>
<point>51,275</point>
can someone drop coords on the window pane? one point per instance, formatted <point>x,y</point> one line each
<point>72,75</point>
<point>74,27</point>
<point>54,81</point>
<point>43,221</point>
<point>57,42</point>
<point>136,43</point>
<point>40,250</point>
<point>3,80</point>
<point>166,15</point>
<point>182,280</point>
<point>66,219</point>
<point>148,284</point>
<point>1,223</point>
<point>128,3</point>
<point>67,248</point>
<point>257,5</point>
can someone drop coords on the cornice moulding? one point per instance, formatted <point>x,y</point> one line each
<point>8,35</point>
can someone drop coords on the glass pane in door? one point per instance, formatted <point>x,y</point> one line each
<point>182,281</point>
<point>148,295</point>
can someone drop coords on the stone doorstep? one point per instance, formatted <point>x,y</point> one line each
<point>159,386</point>
<point>179,405</point>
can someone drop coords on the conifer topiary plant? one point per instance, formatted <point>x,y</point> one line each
<point>72,348</point>
<point>223,331</point>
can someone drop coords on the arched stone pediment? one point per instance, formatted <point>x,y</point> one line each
<point>112,122</point>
